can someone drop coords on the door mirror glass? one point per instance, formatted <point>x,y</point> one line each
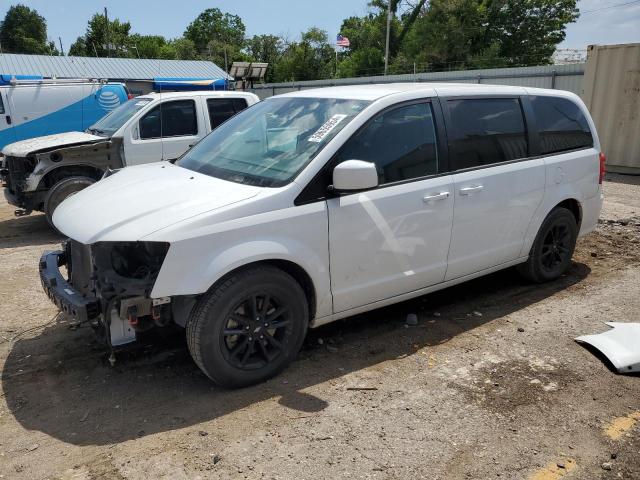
<point>354,175</point>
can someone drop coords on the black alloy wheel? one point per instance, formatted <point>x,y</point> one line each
<point>249,326</point>
<point>255,331</point>
<point>556,248</point>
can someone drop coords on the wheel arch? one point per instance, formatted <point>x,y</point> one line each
<point>61,172</point>
<point>574,206</point>
<point>296,271</point>
<point>569,202</point>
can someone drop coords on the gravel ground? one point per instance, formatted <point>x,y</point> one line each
<point>489,384</point>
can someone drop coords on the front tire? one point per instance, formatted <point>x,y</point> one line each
<point>60,192</point>
<point>551,253</point>
<point>249,327</point>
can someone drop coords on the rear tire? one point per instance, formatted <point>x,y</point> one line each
<point>60,192</point>
<point>249,327</point>
<point>551,253</point>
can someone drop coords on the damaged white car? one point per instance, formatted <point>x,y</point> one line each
<point>321,204</point>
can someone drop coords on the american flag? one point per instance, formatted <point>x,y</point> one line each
<point>342,41</point>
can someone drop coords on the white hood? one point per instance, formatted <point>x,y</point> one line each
<point>25,147</point>
<point>137,201</point>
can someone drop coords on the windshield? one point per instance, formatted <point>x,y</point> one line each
<point>112,121</point>
<point>269,143</point>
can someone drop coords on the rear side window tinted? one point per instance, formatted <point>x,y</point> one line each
<point>170,119</point>
<point>486,131</point>
<point>561,124</point>
<point>221,109</point>
<point>401,142</point>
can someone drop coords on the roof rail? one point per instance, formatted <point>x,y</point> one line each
<point>34,80</point>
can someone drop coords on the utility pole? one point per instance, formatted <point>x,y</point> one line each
<point>61,49</point>
<point>106,22</point>
<point>386,48</point>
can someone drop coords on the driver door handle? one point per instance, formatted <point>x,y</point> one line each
<point>436,196</point>
<point>471,189</point>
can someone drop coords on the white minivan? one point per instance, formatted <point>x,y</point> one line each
<point>321,204</point>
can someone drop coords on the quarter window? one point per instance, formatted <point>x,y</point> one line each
<point>401,142</point>
<point>170,119</point>
<point>486,131</point>
<point>220,109</point>
<point>561,124</point>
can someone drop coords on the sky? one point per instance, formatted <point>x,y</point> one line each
<point>602,21</point>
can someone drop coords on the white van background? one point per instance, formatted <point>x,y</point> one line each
<point>34,108</point>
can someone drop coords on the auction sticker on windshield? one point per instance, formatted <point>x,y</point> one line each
<point>326,128</point>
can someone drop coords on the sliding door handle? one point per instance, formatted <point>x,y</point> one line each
<point>471,189</point>
<point>434,197</point>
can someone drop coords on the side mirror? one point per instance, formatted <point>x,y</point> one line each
<point>354,175</point>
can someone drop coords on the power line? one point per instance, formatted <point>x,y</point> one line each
<point>611,6</point>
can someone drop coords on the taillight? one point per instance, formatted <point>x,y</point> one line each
<point>129,96</point>
<point>603,167</point>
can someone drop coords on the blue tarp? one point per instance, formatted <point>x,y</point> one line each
<point>167,83</point>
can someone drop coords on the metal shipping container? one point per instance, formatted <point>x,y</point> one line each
<point>612,93</point>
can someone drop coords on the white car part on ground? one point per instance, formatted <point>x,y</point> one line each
<point>621,345</point>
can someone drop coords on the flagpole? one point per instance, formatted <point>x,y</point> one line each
<point>386,48</point>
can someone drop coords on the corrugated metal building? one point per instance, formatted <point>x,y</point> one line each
<point>612,93</point>
<point>138,74</point>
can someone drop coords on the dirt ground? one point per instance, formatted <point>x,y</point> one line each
<point>490,384</point>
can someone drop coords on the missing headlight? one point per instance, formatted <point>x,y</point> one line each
<point>138,260</point>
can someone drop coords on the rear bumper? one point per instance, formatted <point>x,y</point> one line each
<point>61,293</point>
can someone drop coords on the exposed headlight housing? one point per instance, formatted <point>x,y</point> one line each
<point>129,260</point>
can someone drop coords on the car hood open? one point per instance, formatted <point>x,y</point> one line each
<point>50,142</point>
<point>137,201</point>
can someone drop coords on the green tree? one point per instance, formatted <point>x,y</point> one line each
<point>309,59</point>
<point>457,34</point>
<point>184,48</point>
<point>23,30</point>
<point>529,32</point>
<point>367,35</point>
<point>147,46</point>
<point>79,48</point>
<point>266,48</point>
<point>99,33</point>
<point>217,36</point>
<point>367,38</point>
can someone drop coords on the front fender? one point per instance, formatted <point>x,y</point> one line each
<point>97,156</point>
<point>193,265</point>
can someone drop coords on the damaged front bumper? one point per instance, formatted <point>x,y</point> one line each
<point>108,286</point>
<point>20,189</point>
<point>82,308</point>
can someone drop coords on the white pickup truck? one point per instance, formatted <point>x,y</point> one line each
<point>40,173</point>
